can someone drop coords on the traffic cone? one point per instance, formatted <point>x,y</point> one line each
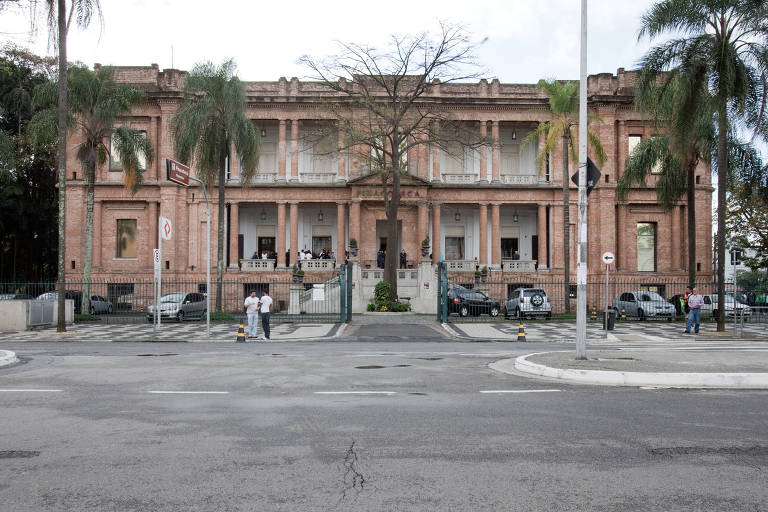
<point>240,334</point>
<point>521,333</point>
<point>623,314</point>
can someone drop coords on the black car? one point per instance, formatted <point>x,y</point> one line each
<point>471,302</point>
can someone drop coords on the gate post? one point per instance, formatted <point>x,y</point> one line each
<point>442,292</point>
<point>343,293</point>
<point>350,284</point>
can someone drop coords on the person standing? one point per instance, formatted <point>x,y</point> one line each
<point>695,301</point>
<point>403,258</point>
<point>252,310</point>
<point>686,296</point>
<point>266,304</point>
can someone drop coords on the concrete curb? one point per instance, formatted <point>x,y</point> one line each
<point>7,358</point>
<point>635,379</point>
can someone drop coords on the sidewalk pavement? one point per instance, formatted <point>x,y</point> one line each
<point>710,367</point>
<point>193,332</point>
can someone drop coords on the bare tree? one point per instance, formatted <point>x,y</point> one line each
<point>381,100</point>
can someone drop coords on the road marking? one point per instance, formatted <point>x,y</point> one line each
<point>30,390</point>
<point>188,392</point>
<point>355,392</point>
<point>491,391</point>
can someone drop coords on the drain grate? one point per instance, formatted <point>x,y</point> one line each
<point>710,450</point>
<point>18,454</point>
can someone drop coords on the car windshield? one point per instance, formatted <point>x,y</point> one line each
<point>172,297</point>
<point>534,291</point>
<point>650,297</point>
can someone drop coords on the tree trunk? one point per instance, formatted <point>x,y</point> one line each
<point>220,237</point>
<point>722,183</point>
<point>393,235</point>
<point>91,179</point>
<point>566,227</point>
<point>691,198</point>
<point>62,156</point>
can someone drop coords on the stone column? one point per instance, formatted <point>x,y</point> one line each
<point>676,238</point>
<point>234,231</point>
<point>423,224</point>
<point>621,221</point>
<point>294,152</point>
<point>280,249</point>
<point>281,151</point>
<point>340,231</point>
<point>423,162</point>
<point>483,233</point>
<point>354,224</point>
<point>483,153</point>
<point>294,233</point>
<point>435,232</point>
<point>541,223</point>
<point>436,159</point>
<point>495,234</point>
<point>342,158</point>
<point>152,135</point>
<point>496,158</point>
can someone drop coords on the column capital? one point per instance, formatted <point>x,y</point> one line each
<point>356,201</point>
<point>281,201</point>
<point>292,202</point>
<point>343,203</point>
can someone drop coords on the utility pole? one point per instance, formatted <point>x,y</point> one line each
<point>581,262</point>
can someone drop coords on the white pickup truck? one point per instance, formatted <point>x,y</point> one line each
<point>710,307</point>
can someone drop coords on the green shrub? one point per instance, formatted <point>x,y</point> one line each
<point>398,307</point>
<point>220,316</point>
<point>381,294</point>
<point>371,307</point>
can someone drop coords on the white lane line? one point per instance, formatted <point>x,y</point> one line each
<point>355,392</point>
<point>188,392</point>
<point>30,390</point>
<point>515,391</point>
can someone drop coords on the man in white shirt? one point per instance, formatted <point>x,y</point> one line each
<point>266,304</point>
<point>252,310</point>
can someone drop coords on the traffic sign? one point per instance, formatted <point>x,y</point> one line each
<point>177,172</point>
<point>608,258</point>
<point>156,257</point>
<point>166,228</point>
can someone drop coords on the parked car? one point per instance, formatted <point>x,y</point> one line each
<point>523,302</point>
<point>75,295</point>
<point>100,305</point>
<point>15,296</point>
<point>471,302</point>
<point>710,307</point>
<point>642,304</point>
<point>179,305</point>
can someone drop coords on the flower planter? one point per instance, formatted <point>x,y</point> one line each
<point>353,251</point>
<point>298,278</point>
<point>477,279</point>
<point>484,278</point>
<point>424,251</point>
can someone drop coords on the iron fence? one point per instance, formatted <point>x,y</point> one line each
<point>632,299</point>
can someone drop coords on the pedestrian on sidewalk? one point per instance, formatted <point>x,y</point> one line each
<point>266,304</point>
<point>686,296</point>
<point>251,305</point>
<point>695,301</point>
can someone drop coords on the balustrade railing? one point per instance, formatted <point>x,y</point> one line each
<point>509,265</point>
<point>257,265</point>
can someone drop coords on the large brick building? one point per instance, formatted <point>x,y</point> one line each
<point>477,208</point>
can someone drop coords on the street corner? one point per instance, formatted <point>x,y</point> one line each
<point>7,358</point>
<point>732,369</point>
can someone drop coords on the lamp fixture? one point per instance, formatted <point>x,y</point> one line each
<point>515,217</point>
<point>320,216</point>
<point>263,132</point>
<point>263,215</point>
<point>457,217</point>
<point>514,135</point>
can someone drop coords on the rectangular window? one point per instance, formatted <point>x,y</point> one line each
<point>126,238</point>
<point>114,159</point>
<point>736,257</point>
<point>633,141</point>
<point>454,248</point>
<point>646,246</point>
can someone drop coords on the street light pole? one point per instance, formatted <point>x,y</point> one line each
<point>581,265</point>
<point>207,259</point>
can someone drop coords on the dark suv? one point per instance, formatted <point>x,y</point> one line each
<point>471,302</point>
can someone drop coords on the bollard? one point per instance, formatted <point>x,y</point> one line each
<point>593,315</point>
<point>521,333</point>
<point>623,314</point>
<point>240,334</point>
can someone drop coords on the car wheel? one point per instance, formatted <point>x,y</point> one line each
<point>180,316</point>
<point>641,315</point>
<point>494,311</point>
<point>463,311</point>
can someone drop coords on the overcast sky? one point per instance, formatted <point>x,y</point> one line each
<point>526,40</point>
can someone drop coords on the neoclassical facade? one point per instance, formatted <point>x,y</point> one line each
<point>478,205</point>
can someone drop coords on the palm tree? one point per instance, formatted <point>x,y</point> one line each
<point>210,122</point>
<point>722,49</point>
<point>96,101</point>
<point>686,138</point>
<point>564,106</point>
<point>58,24</point>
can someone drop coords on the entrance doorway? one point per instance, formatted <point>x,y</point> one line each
<point>266,244</point>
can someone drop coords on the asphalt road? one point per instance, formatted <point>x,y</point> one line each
<point>392,417</point>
